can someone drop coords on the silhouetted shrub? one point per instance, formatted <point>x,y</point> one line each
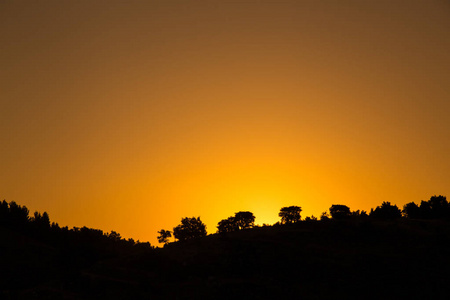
<point>290,214</point>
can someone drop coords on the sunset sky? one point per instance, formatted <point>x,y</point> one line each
<point>129,115</point>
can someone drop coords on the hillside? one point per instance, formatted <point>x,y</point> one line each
<point>312,260</point>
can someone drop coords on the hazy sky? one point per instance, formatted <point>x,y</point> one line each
<point>129,115</point>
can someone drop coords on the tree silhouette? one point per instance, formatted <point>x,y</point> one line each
<point>227,225</point>
<point>425,210</point>
<point>411,210</point>
<point>189,228</point>
<point>241,220</point>
<point>435,208</point>
<point>164,236</point>
<point>339,211</point>
<point>41,221</point>
<point>244,219</point>
<point>439,207</point>
<point>386,211</point>
<point>18,215</point>
<point>290,214</point>
<point>4,211</point>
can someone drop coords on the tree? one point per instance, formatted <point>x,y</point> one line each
<point>189,228</point>
<point>18,215</point>
<point>439,207</point>
<point>411,210</point>
<point>164,236</point>
<point>4,211</point>
<point>435,208</point>
<point>227,225</point>
<point>41,222</point>
<point>425,210</point>
<point>241,220</point>
<point>290,214</point>
<point>339,211</point>
<point>386,211</point>
<point>244,219</point>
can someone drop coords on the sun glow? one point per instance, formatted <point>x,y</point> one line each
<point>132,117</point>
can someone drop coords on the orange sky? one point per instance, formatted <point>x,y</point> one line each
<point>129,115</point>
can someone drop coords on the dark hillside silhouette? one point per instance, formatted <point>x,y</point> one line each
<point>35,252</point>
<point>348,256</point>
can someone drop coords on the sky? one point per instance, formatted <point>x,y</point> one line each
<point>129,115</point>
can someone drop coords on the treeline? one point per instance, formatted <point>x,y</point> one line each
<point>89,243</point>
<point>436,208</point>
<point>17,218</point>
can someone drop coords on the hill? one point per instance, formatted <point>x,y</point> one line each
<point>312,260</point>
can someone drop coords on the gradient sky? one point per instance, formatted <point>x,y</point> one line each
<point>129,115</point>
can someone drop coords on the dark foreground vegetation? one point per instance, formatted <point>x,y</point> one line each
<point>384,254</point>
